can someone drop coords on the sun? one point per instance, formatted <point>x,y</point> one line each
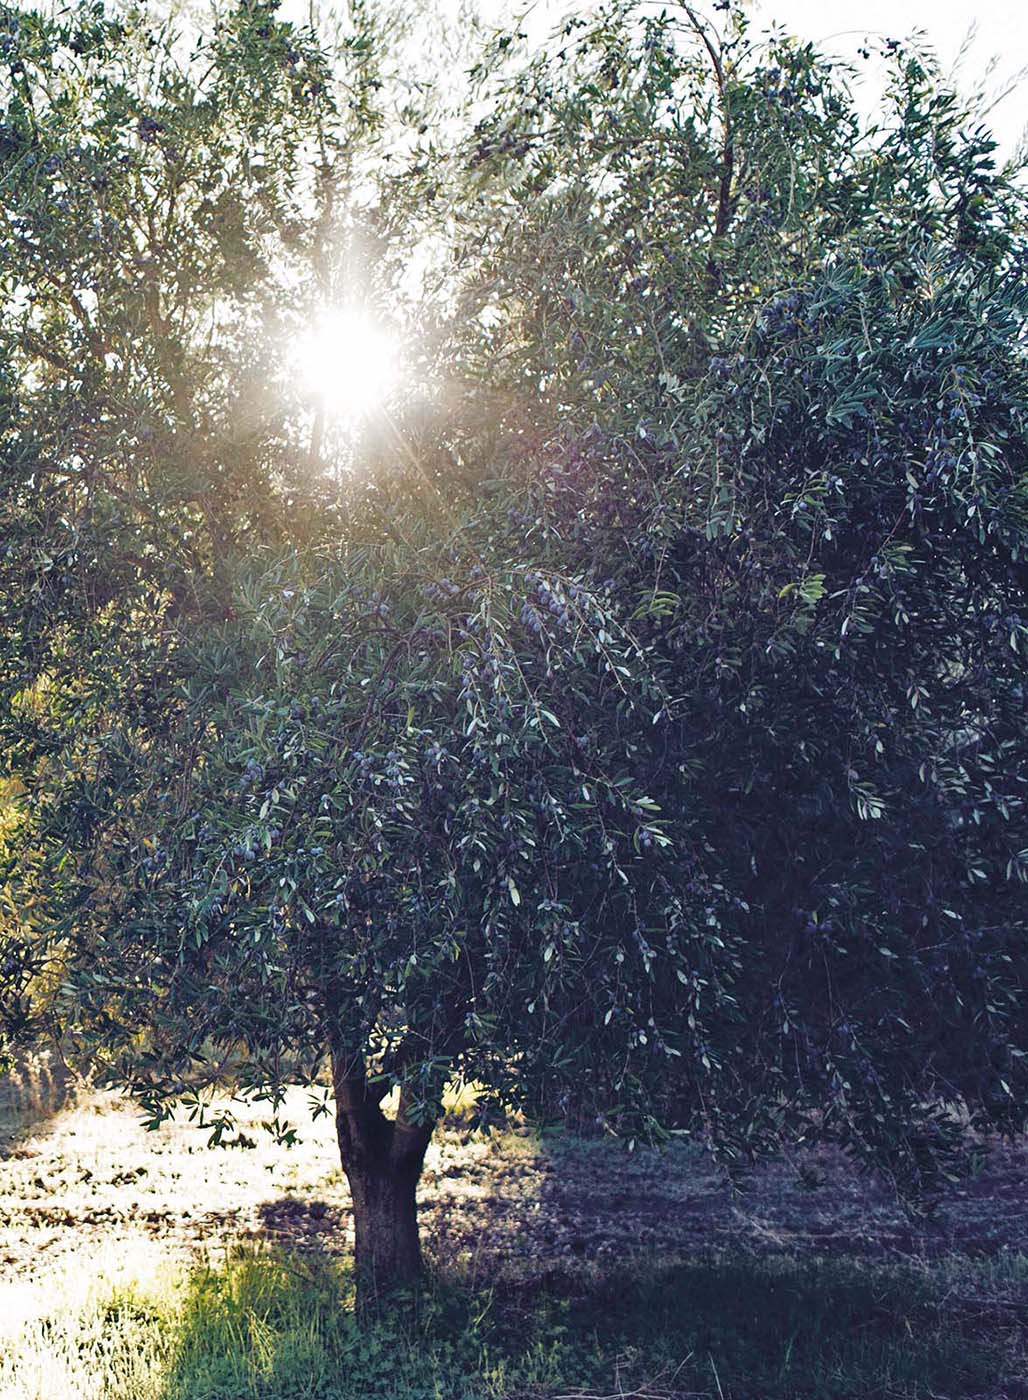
<point>347,363</point>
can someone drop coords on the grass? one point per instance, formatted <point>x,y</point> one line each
<point>263,1326</point>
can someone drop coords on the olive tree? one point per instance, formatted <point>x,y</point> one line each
<point>302,770</point>
<point>636,728</point>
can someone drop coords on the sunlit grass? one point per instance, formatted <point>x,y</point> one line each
<point>264,1326</point>
<point>100,1333</point>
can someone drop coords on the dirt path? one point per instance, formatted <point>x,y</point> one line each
<point>90,1177</point>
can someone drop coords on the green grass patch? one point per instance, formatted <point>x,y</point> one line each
<point>261,1326</point>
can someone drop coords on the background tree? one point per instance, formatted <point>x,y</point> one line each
<point>794,436</point>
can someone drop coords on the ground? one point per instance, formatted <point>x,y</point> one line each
<point>87,1183</point>
<point>92,1176</point>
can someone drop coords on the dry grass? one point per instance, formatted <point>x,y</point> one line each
<point>90,1334</point>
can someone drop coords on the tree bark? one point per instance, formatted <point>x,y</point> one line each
<point>387,1245</point>
<point>382,1159</point>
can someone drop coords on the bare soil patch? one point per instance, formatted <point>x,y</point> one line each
<point>90,1177</point>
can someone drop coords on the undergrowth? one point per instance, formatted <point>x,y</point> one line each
<point>265,1326</point>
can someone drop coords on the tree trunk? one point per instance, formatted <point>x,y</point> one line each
<point>387,1247</point>
<point>382,1159</point>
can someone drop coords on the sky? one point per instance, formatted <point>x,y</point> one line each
<point>1001,37</point>
<point>997,56</point>
<point>840,26</point>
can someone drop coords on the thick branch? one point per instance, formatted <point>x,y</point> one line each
<point>724,202</point>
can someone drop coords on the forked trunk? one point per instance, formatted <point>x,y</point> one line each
<point>382,1159</point>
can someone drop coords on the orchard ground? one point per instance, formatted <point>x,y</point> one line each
<point>139,1264</point>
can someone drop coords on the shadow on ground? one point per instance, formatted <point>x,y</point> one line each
<point>274,1327</point>
<point>515,1207</point>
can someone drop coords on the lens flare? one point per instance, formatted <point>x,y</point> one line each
<point>347,363</point>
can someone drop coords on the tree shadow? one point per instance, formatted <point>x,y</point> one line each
<point>533,1314</point>
<point>270,1325</point>
<point>305,1225</point>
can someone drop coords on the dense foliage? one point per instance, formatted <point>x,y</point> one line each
<point>637,727</point>
<point>154,205</point>
<point>797,442</point>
